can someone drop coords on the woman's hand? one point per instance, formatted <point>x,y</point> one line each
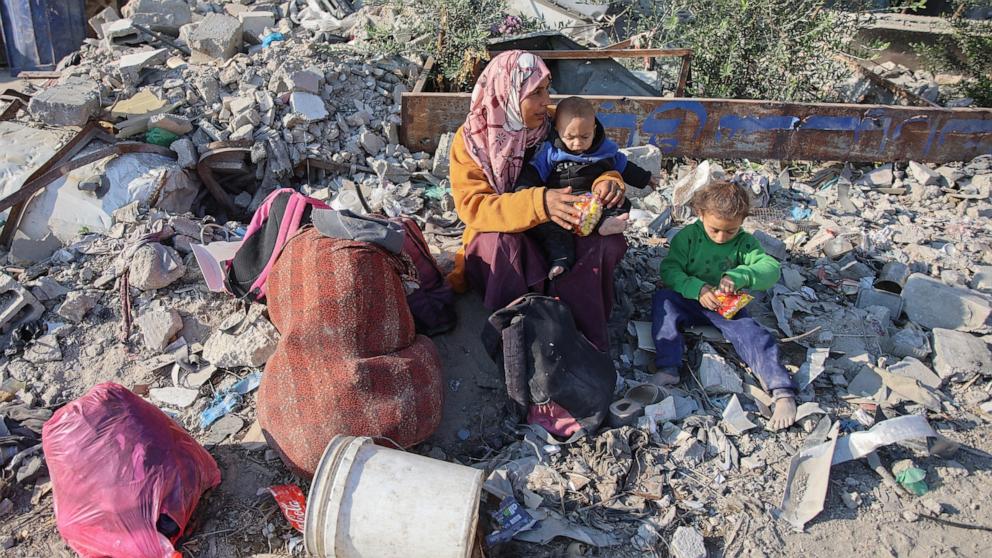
<point>608,192</point>
<point>558,205</point>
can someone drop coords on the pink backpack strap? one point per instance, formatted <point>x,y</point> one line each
<point>289,226</point>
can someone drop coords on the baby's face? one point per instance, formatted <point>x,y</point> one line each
<point>576,133</point>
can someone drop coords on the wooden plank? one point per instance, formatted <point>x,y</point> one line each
<point>731,129</point>
<point>611,53</point>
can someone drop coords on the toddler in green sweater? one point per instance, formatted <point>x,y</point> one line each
<point>714,255</point>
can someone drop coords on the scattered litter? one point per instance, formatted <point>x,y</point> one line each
<point>292,502</point>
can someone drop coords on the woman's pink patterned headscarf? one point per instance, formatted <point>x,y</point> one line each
<point>494,130</point>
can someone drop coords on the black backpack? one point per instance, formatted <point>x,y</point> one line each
<point>545,358</point>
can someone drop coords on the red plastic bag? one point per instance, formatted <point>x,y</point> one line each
<point>121,470</point>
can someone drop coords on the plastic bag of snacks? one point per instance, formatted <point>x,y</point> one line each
<point>592,209</point>
<point>731,303</point>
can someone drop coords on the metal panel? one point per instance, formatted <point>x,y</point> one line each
<point>729,129</point>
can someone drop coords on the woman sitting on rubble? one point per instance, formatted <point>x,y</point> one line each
<point>508,120</point>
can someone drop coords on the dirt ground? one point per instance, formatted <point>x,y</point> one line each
<point>235,521</point>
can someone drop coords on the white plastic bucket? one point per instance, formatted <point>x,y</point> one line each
<point>368,501</point>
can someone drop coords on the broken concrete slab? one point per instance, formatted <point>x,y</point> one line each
<point>155,266</point>
<point>120,32</point>
<point>253,24</point>
<point>933,304</point>
<point>958,355</point>
<point>880,177</point>
<point>217,37</point>
<point>47,288</point>
<point>227,426</point>
<point>174,396</point>
<point>76,305</point>
<point>982,280</point>
<point>44,349</point>
<point>251,348</point>
<point>306,81</point>
<point>105,16</point>
<point>159,327</point>
<point>442,157</point>
<point>17,305</point>
<point>371,142</point>
<point>310,106</point>
<point>186,151</point>
<point>924,174</point>
<point>719,376</point>
<point>735,417</point>
<point>176,124</point>
<point>70,103</point>
<point>912,368</point>
<point>131,65</point>
<point>687,542</point>
<point>165,16</point>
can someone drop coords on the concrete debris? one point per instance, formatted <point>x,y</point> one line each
<point>216,36</point>
<point>254,24</point>
<point>131,65</point>
<point>174,396</point>
<point>866,350</point>
<point>311,107</point>
<point>186,151</point>
<point>155,266</point>
<point>76,305</point>
<point>924,175</point>
<point>959,355</point>
<point>70,103</point>
<point>687,542</point>
<point>18,305</point>
<point>166,16</point>
<point>719,376</point>
<point>171,123</point>
<point>45,349</point>
<point>159,327</point>
<point>912,368</point>
<point>250,348</point>
<point>933,304</point>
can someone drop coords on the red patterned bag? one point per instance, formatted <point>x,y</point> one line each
<point>348,361</point>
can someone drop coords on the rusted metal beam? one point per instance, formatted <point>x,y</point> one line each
<point>730,129</point>
<point>611,53</point>
<point>685,74</point>
<point>12,109</point>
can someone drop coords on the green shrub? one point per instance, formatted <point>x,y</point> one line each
<point>757,49</point>
<point>967,51</point>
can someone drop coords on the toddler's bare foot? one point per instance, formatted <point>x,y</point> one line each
<point>614,225</point>
<point>556,270</point>
<point>784,415</point>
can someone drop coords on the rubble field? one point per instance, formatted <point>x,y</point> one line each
<point>883,311</point>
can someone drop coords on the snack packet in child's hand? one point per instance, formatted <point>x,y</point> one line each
<point>592,209</point>
<point>731,303</point>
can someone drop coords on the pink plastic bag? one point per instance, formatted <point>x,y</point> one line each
<point>119,466</point>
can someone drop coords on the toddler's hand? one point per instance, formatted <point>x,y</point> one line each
<point>707,298</point>
<point>608,192</point>
<point>727,286</point>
